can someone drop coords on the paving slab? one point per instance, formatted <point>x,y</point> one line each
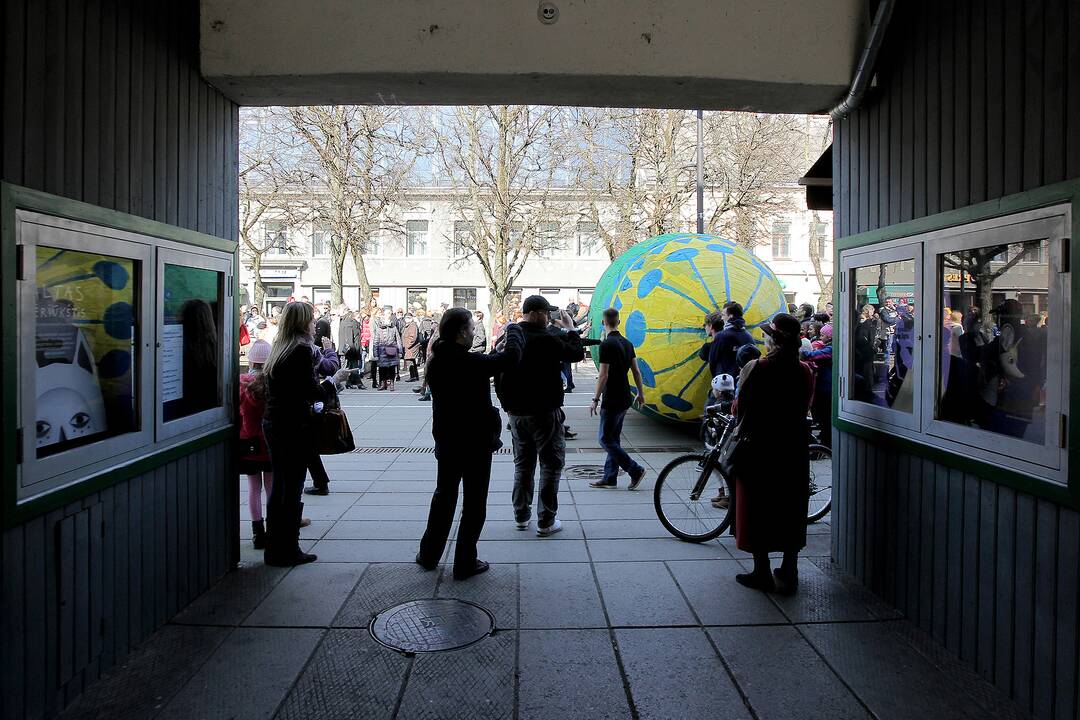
<point>642,593</point>
<point>766,658</point>
<point>559,595</point>
<point>538,550</point>
<point>496,591</point>
<point>660,663</point>
<point>247,676</point>
<point>382,586</point>
<point>632,511</point>
<point>476,682</point>
<point>506,529</point>
<point>309,596</point>
<point>570,674</point>
<point>822,598</point>
<point>349,676</point>
<point>893,679</point>
<point>622,529</point>
<point>386,512</point>
<point>719,600</point>
<point>377,530</point>
<point>366,550</point>
<point>233,597</point>
<point>151,674</point>
<point>654,549</point>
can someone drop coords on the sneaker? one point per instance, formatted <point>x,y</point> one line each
<point>607,484</point>
<point>424,398</point>
<point>635,482</point>
<point>523,524</point>
<point>554,527</point>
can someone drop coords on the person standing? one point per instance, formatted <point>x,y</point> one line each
<point>479,341</point>
<point>531,392</point>
<point>410,338</point>
<point>294,395</point>
<point>386,341</point>
<point>771,506</point>
<point>254,456</point>
<point>617,358</point>
<point>349,339</point>
<point>728,332</point>
<point>466,429</point>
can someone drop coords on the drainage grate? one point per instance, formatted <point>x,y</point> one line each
<point>432,625</point>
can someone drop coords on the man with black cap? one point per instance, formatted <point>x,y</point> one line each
<point>532,394</point>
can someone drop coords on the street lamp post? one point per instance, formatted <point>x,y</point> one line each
<point>700,175</point>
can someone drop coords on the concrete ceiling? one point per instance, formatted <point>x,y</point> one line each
<point>764,55</point>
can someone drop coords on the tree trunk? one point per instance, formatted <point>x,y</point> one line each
<point>260,288</point>
<point>361,275</point>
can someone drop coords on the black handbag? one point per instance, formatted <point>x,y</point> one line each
<point>332,433</point>
<point>734,452</point>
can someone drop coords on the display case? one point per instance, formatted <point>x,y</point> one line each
<point>121,336</point>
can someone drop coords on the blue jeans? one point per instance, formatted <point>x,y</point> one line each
<point>611,422</point>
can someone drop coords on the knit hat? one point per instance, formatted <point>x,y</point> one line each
<point>827,330</point>
<point>259,352</point>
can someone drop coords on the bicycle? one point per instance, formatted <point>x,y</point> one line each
<point>680,496</point>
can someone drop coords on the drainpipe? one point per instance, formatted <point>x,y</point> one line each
<point>864,72</point>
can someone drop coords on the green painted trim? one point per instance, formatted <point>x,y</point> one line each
<point>1058,193</point>
<point>23,198</point>
<point>16,197</point>
<point>16,514</point>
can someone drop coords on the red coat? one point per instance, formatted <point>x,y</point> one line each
<point>365,333</point>
<point>252,410</point>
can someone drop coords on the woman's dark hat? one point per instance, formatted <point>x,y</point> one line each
<point>783,328</point>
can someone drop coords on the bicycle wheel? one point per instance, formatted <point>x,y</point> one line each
<point>820,483</point>
<point>687,518</point>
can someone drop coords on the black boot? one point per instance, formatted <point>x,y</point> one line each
<point>258,534</point>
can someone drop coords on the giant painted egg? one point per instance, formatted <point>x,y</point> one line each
<point>663,288</point>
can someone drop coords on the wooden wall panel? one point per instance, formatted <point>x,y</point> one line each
<point>975,99</point>
<point>103,103</point>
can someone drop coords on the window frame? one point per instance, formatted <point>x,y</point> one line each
<point>409,237</point>
<point>1040,469</point>
<point>466,290</point>
<point>882,416</point>
<point>40,476</point>
<point>213,417</point>
<point>316,228</point>
<point>786,255</point>
<point>1048,454</point>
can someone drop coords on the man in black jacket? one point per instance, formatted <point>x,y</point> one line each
<point>531,393</point>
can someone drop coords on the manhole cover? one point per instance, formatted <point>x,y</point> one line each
<point>585,472</point>
<point>421,626</point>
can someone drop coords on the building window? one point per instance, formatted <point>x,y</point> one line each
<point>820,235</point>
<point>465,298</point>
<point>320,239</point>
<point>462,240</point>
<point>781,240</point>
<point>588,239</point>
<point>275,238</point>
<point>416,298</point>
<point>970,354</point>
<point>549,243</point>
<point>416,238</point>
<point>320,295</point>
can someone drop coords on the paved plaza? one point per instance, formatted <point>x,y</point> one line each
<point>612,618</point>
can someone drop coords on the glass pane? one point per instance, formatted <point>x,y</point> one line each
<point>416,299</point>
<point>883,335</point>
<point>189,360</point>
<point>85,341</point>
<point>992,368</point>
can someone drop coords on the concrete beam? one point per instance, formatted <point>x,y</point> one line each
<point>766,55</point>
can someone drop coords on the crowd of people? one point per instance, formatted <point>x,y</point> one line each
<point>295,377</point>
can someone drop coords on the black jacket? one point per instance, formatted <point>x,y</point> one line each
<point>534,385</point>
<point>463,418</point>
<point>293,387</point>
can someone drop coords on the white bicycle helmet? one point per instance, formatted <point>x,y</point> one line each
<point>723,382</point>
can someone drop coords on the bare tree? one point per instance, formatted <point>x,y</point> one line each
<point>751,162</point>
<point>825,282</point>
<point>505,161</point>
<point>638,165</point>
<point>264,195</point>
<point>352,163</point>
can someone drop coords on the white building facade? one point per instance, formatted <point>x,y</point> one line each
<point>421,269</point>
